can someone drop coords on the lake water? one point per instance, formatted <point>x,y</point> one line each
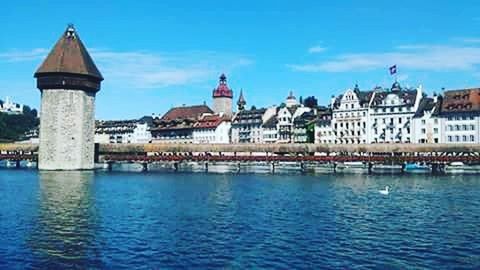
<point>87,220</point>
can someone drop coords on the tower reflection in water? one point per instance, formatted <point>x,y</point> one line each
<point>64,237</point>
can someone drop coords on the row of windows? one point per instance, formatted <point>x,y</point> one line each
<point>457,118</point>
<point>435,130</point>
<point>350,125</point>
<point>463,138</point>
<point>393,109</point>
<point>460,127</point>
<point>392,130</point>
<point>352,114</point>
<point>435,121</point>
<point>392,120</point>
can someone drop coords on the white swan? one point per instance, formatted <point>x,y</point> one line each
<point>385,191</point>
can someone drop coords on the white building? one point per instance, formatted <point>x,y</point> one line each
<point>350,116</point>
<point>212,128</point>
<point>460,116</point>
<point>128,131</point>
<point>391,113</point>
<point>286,115</point>
<point>10,107</point>
<point>323,128</point>
<point>247,125</point>
<point>270,132</point>
<point>426,123</point>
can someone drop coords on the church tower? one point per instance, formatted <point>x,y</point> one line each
<point>68,81</point>
<point>222,97</point>
<point>241,102</point>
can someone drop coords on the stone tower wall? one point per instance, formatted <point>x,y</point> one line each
<point>222,105</point>
<point>67,127</point>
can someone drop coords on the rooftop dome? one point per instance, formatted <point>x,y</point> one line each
<point>222,89</point>
<point>396,86</point>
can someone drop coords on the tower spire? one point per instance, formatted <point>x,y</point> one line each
<point>241,101</point>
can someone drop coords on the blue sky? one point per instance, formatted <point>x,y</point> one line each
<point>158,54</point>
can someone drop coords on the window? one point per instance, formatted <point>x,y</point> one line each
<point>392,109</point>
<point>472,127</point>
<point>464,138</point>
<point>472,138</point>
<point>423,131</point>
<point>464,127</point>
<point>423,121</point>
<point>399,120</point>
<point>435,121</point>
<point>435,130</point>
<point>449,138</point>
<point>457,138</point>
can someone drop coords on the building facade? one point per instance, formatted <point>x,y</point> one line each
<point>391,113</point>
<point>304,128</point>
<point>286,115</point>
<point>270,131</point>
<point>177,125</point>
<point>212,128</point>
<point>426,123</point>
<point>460,116</point>
<point>247,125</point>
<point>124,131</point>
<point>350,116</point>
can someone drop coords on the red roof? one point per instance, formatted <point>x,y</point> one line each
<point>222,89</point>
<point>464,100</point>
<point>210,121</point>
<point>186,112</point>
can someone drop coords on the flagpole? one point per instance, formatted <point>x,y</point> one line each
<point>396,73</point>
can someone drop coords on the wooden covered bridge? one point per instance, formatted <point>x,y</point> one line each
<point>317,153</point>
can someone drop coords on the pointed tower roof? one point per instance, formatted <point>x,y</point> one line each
<point>69,58</point>
<point>241,99</point>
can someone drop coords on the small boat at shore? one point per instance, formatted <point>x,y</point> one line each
<point>352,167</point>
<point>461,168</point>
<point>386,169</point>
<point>417,168</point>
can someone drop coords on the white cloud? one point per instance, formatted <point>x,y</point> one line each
<point>316,49</point>
<point>19,56</point>
<point>471,40</point>
<point>424,57</point>
<point>151,70</point>
<point>140,69</point>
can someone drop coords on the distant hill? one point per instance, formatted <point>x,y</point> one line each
<point>14,126</point>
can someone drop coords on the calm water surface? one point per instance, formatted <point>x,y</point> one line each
<point>86,220</point>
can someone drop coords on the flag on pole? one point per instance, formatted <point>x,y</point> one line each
<point>393,69</point>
